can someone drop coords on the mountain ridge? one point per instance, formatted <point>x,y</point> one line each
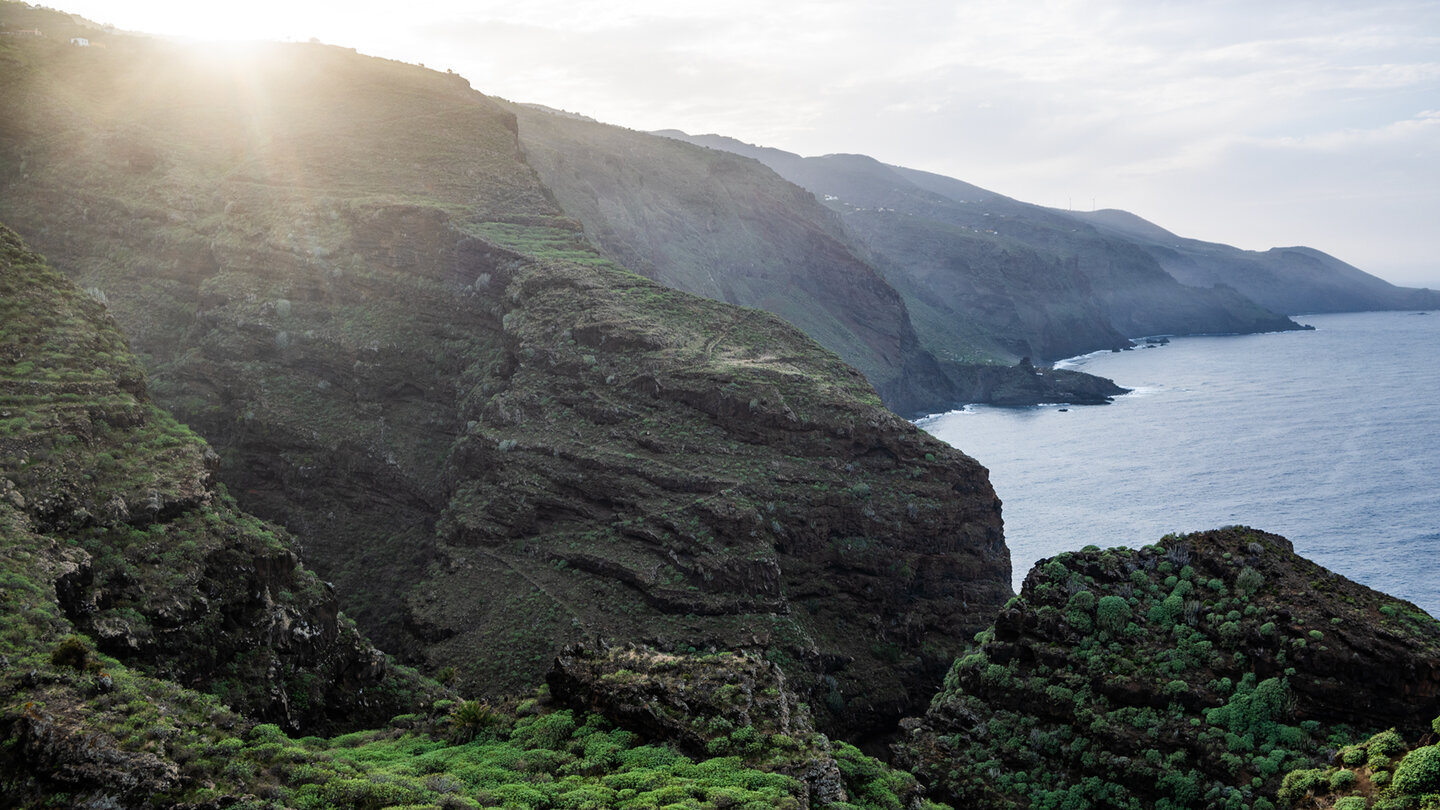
<point>1333,285</point>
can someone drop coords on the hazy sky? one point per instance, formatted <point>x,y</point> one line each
<point>1253,122</point>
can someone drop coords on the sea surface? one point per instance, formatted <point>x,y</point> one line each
<point>1330,438</point>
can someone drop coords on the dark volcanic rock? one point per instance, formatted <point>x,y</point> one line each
<point>1024,384</point>
<point>1194,672</point>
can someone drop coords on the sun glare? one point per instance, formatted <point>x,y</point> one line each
<point>209,21</point>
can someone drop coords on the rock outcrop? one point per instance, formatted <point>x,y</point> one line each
<point>715,704</point>
<point>1192,673</point>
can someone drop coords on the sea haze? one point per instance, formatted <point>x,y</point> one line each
<point>1330,437</point>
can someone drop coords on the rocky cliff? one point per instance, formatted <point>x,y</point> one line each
<point>1192,673</point>
<point>719,225</point>
<point>118,548</point>
<point>494,441</point>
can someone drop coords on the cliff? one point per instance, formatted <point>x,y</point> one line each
<point>119,551</point>
<point>495,442</point>
<point>720,225</point>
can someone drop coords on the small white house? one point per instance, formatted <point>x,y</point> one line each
<point>81,41</point>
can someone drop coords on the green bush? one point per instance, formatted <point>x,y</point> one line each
<point>1342,780</point>
<point>71,652</point>
<point>1167,611</point>
<point>1112,613</point>
<point>1388,743</point>
<point>1419,772</point>
<point>1299,784</point>
<point>547,731</point>
<point>1249,581</point>
<point>1351,803</point>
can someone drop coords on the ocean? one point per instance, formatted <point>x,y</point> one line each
<point>1330,438</point>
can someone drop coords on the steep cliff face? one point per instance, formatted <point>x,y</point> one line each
<point>494,441</point>
<point>143,555</point>
<point>665,468</point>
<point>717,225</point>
<point>1193,673</point>
<point>124,574</point>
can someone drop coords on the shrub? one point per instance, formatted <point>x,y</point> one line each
<point>1387,742</point>
<point>1351,803</point>
<point>1167,611</point>
<point>995,675</point>
<point>1077,611</point>
<point>1112,613</point>
<point>1342,780</point>
<point>71,652</point>
<point>1249,581</point>
<point>1419,772</point>
<point>1298,784</point>
<point>546,731</point>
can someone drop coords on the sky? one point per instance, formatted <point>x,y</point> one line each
<point>1258,123</point>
